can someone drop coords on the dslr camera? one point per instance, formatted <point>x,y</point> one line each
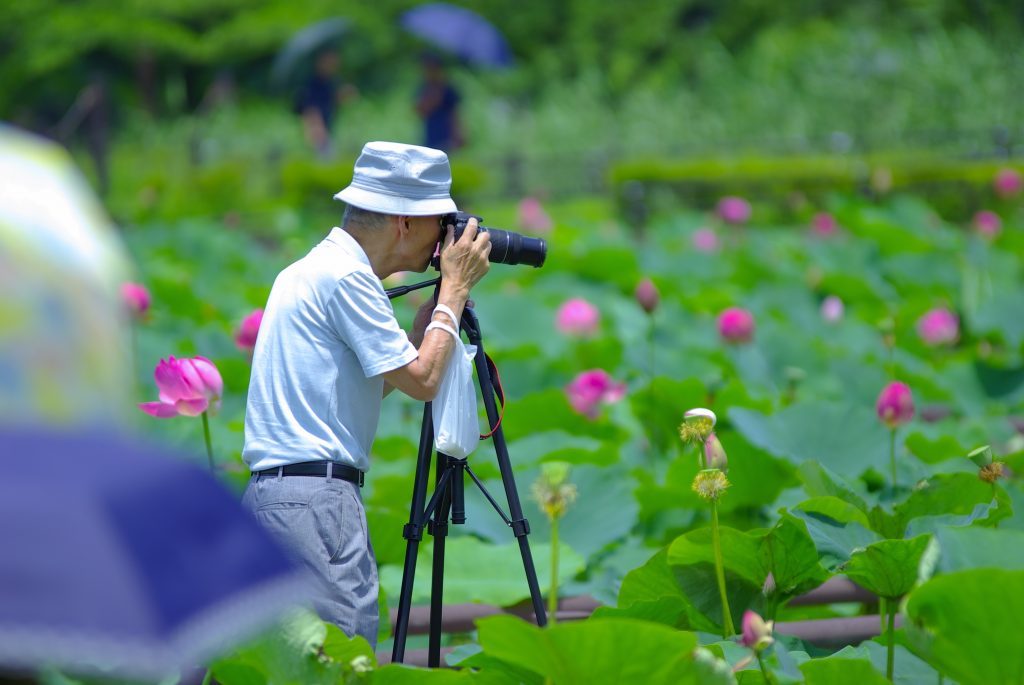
<point>507,247</point>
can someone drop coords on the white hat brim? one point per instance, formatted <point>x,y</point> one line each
<point>385,203</point>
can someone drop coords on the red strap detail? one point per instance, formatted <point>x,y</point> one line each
<point>500,392</point>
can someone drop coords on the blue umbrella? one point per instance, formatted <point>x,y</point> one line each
<point>121,559</point>
<point>459,31</point>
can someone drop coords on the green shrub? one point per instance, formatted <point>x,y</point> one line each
<point>956,188</point>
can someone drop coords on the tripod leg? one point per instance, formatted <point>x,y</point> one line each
<point>520,526</point>
<point>439,529</point>
<point>413,533</point>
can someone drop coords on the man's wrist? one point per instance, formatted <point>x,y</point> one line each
<point>453,292</point>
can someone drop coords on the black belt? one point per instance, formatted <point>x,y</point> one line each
<point>317,468</point>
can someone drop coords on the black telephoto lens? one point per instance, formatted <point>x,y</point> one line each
<point>507,247</point>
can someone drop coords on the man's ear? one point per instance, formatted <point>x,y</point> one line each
<point>402,222</point>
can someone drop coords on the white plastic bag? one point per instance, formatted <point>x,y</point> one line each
<point>456,428</point>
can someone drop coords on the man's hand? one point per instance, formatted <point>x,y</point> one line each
<point>464,262</point>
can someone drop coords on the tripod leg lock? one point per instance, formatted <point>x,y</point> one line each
<point>412,531</point>
<point>520,527</point>
<point>437,529</point>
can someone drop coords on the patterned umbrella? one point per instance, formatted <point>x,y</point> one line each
<point>117,557</point>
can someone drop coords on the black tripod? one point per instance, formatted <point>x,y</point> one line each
<point>448,498</point>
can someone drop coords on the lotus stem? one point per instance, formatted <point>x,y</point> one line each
<point>764,671</point>
<point>890,659</point>
<point>727,626</point>
<point>209,443</point>
<point>892,456</point>
<point>553,594</point>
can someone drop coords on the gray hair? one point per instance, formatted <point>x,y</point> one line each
<point>356,217</point>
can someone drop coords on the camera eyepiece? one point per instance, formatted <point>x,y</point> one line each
<point>507,247</point>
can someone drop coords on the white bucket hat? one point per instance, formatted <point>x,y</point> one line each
<point>395,178</point>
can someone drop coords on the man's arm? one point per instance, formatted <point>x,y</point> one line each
<point>419,327</point>
<point>463,264</point>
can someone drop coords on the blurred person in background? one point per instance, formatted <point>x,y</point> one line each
<point>318,101</point>
<point>437,104</point>
<point>330,349</point>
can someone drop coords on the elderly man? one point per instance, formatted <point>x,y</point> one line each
<point>328,351</point>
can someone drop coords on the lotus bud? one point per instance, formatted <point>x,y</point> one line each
<point>736,325</point>
<point>714,454</point>
<point>647,295</point>
<point>577,317</point>
<point>895,404</point>
<point>824,225</point>
<point>590,389</point>
<point>832,309</point>
<point>757,633</point>
<point>136,299</point>
<point>733,210</point>
<point>245,336</point>
<point>987,224</point>
<point>533,217</point>
<point>1008,182</point>
<point>938,326</point>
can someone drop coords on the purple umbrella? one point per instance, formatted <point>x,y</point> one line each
<point>459,31</point>
<point>121,559</point>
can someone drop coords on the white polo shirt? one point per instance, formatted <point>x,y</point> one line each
<point>327,335</point>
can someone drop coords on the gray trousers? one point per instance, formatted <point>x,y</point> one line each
<point>324,524</point>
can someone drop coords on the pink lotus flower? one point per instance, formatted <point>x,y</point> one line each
<point>895,404</point>
<point>757,633</point>
<point>832,309</point>
<point>187,387</point>
<point>1008,182</point>
<point>578,317</point>
<point>736,325</point>
<point>136,298</point>
<point>704,240</point>
<point>987,224</point>
<point>938,327</point>
<point>733,210</point>
<point>245,336</point>
<point>824,225</point>
<point>532,216</point>
<point>590,389</point>
<point>647,295</point>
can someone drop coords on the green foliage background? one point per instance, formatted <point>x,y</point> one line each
<point>630,122</point>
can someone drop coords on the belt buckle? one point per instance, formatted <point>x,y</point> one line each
<point>362,477</point>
